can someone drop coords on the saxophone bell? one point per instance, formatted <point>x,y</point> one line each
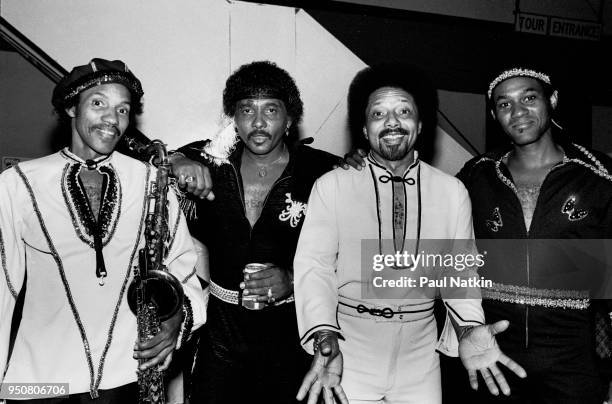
<point>161,289</point>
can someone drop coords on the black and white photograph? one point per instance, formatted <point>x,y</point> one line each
<point>305,201</point>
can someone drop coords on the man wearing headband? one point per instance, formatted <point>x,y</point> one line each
<point>70,226</point>
<point>542,207</point>
<point>250,350</point>
<point>375,343</point>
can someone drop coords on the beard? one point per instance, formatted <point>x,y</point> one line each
<point>393,152</point>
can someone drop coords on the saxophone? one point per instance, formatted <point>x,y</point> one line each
<point>154,295</point>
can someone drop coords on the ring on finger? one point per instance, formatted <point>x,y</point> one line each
<point>189,178</point>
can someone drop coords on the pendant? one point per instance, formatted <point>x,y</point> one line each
<point>262,172</point>
<point>101,280</point>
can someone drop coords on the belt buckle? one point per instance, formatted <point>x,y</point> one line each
<point>387,312</point>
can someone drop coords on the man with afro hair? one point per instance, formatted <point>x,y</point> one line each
<point>377,343</point>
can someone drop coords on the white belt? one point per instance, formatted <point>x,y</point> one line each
<point>233,296</point>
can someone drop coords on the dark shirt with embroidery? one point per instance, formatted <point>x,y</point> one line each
<point>247,355</point>
<point>222,224</point>
<point>546,276</point>
<point>575,202</point>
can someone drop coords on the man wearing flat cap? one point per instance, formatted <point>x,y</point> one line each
<point>71,224</point>
<point>250,350</point>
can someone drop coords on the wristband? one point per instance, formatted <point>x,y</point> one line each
<point>321,336</point>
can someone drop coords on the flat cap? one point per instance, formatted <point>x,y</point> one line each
<point>96,72</point>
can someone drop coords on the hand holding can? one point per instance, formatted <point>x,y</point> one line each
<point>268,282</point>
<point>251,301</point>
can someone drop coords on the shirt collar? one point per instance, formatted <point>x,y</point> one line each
<point>410,172</point>
<point>91,164</point>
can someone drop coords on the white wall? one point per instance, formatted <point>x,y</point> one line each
<point>183,51</point>
<point>179,53</point>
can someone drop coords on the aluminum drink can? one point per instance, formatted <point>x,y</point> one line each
<point>253,267</point>
<point>250,301</point>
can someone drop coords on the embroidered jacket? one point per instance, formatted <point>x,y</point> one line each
<point>559,262</point>
<point>348,209</point>
<point>73,330</point>
<point>222,224</point>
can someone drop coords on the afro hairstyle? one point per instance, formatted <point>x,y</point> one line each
<point>398,75</point>
<point>266,79</point>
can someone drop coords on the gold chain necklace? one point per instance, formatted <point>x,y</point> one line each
<point>262,169</point>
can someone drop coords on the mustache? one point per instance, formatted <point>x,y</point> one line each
<point>386,132</point>
<point>107,127</point>
<point>259,132</point>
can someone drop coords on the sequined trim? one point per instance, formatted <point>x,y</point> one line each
<point>6,274</point>
<point>496,222</point>
<point>501,175</point>
<point>82,217</point>
<point>186,325</point>
<point>108,77</point>
<point>516,72</point>
<point>598,169</point>
<point>94,381</point>
<point>557,298</point>
<point>483,159</point>
<point>573,213</point>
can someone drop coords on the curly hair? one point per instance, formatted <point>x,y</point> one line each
<point>263,79</point>
<point>407,77</point>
